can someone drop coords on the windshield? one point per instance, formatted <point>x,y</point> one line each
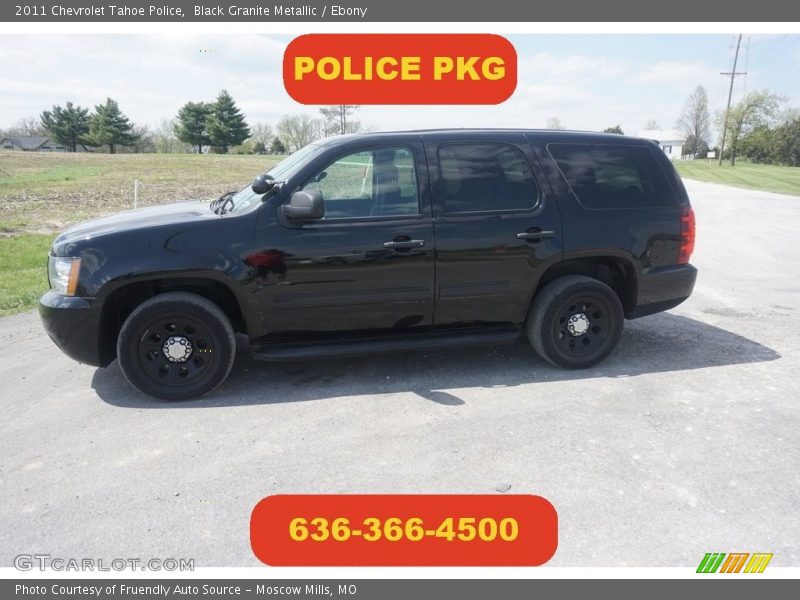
<point>246,198</point>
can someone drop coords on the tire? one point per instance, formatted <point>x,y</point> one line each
<point>176,346</point>
<point>575,322</point>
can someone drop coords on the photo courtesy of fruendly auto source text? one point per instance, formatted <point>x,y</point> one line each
<point>372,300</point>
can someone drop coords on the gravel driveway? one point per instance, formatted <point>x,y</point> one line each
<point>687,440</point>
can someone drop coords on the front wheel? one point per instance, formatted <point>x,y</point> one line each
<point>176,346</point>
<point>575,322</point>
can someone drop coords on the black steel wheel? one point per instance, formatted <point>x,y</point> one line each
<point>575,322</point>
<point>176,346</point>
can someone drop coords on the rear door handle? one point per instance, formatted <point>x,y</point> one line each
<point>402,244</point>
<point>535,235</point>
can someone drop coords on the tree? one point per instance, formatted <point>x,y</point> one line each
<point>652,125</point>
<point>165,139</point>
<point>354,127</point>
<point>277,147</point>
<point>696,147</point>
<point>191,127</point>
<point>614,129</point>
<point>321,129</point>
<point>786,143</point>
<point>145,140</point>
<point>68,125</point>
<point>261,137</point>
<point>694,120</point>
<point>297,131</point>
<point>757,109</point>
<point>757,146</point>
<point>26,127</point>
<point>109,126</point>
<point>554,123</point>
<point>226,124</point>
<point>788,115</point>
<point>337,116</point>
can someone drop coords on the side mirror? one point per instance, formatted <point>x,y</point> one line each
<point>305,205</point>
<point>262,183</point>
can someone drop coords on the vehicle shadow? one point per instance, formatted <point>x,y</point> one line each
<point>657,344</point>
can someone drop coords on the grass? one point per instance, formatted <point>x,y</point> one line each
<point>769,178</point>
<point>33,178</point>
<point>23,271</point>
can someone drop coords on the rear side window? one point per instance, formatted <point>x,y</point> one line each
<point>608,176</point>
<point>485,177</point>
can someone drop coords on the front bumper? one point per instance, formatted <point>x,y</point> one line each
<point>74,325</point>
<point>662,288</point>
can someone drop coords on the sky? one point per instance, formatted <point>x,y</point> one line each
<point>588,82</point>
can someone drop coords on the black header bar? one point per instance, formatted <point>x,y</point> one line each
<point>349,11</point>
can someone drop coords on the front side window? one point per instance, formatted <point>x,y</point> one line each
<point>608,176</point>
<point>380,182</point>
<point>485,177</point>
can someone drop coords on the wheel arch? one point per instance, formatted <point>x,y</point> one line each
<point>124,298</point>
<point>616,271</point>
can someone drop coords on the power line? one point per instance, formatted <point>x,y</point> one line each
<point>770,56</point>
<point>768,53</point>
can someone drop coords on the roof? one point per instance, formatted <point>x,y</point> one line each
<point>28,143</point>
<point>456,132</point>
<point>663,135</point>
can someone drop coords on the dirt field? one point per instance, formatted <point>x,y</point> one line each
<point>44,192</point>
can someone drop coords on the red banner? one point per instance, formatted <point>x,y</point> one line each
<point>400,69</point>
<point>404,530</point>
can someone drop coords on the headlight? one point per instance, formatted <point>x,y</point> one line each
<point>63,274</point>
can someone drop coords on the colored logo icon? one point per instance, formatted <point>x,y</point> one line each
<point>734,562</point>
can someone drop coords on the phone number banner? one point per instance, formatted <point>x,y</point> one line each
<point>404,530</point>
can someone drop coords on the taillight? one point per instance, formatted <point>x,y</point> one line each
<point>687,236</point>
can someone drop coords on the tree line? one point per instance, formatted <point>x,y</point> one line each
<point>218,126</point>
<point>758,128</point>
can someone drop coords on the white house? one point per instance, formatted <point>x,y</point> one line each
<point>670,140</point>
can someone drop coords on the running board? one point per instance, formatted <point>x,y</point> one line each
<point>405,343</point>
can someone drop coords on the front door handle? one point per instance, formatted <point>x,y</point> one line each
<point>535,235</point>
<point>403,244</point>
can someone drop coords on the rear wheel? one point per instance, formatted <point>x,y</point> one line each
<point>176,346</point>
<point>575,322</point>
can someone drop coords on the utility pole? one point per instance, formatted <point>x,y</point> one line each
<point>732,75</point>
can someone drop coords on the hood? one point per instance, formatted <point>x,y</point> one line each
<point>152,216</point>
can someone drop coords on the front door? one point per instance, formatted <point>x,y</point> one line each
<point>368,263</point>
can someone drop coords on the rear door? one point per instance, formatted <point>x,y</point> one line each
<point>496,226</point>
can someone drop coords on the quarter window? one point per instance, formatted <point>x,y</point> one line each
<point>485,177</point>
<point>608,176</point>
<point>380,182</point>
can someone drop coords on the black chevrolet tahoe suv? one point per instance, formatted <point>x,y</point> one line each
<point>382,242</point>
